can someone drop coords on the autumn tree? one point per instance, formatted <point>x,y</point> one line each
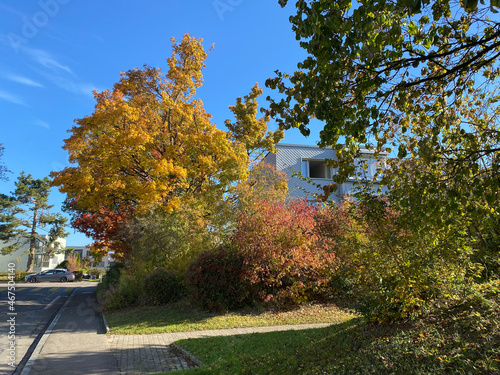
<point>150,145</point>
<point>395,74</point>
<point>416,77</point>
<point>264,183</point>
<point>251,131</point>
<point>25,214</point>
<point>103,226</point>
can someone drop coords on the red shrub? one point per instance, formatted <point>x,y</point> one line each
<point>283,255</point>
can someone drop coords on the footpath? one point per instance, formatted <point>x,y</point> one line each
<point>77,343</point>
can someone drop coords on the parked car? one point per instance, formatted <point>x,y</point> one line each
<point>61,275</point>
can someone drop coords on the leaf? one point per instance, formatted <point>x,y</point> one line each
<point>412,28</point>
<point>402,152</point>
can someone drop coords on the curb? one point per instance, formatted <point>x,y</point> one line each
<point>31,361</point>
<point>191,357</point>
<point>105,323</point>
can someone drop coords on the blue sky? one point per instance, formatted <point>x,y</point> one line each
<point>55,52</point>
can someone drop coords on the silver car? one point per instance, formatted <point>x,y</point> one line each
<point>61,275</point>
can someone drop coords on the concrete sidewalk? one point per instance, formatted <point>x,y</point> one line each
<point>78,344</point>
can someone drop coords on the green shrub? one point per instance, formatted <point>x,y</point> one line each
<point>115,298</point>
<point>113,274</point>
<point>19,276</point>
<point>78,275</point>
<point>63,264</point>
<point>94,272</point>
<point>215,280</point>
<point>387,268</point>
<point>161,287</point>
<point>110,278</point>
<point>126,291</point>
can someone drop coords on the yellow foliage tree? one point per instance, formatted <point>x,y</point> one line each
<point>149,143</point>
<point>250,130</point>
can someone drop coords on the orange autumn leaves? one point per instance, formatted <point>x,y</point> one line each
<point>149,142</point>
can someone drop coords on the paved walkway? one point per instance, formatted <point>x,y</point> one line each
<point>76,343</point>
<point>145,354</point>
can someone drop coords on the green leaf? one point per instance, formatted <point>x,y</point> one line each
<point>412,28</point>
<point>402,152</point>
<point>470,5</point>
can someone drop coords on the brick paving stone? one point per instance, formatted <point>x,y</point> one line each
<point>147,354</point>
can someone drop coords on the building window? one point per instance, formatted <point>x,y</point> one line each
<point>38,260</point>
<point>367,168</point>
<point>45,261</point>
<point>316,169</point>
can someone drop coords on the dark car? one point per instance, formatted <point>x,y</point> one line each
<point>61,275</point>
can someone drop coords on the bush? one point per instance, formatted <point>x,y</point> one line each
<point>19,276</point>
<point>63,264</point>
<point>95,272</point>
<point>78,275</point>
<point>110,278</point>
<point>215,280</point>
<point>126,290</point>
<point>285,258</point>
<point>115,298</point>
<point>113,274</point>
<point>389,269</point>
<point>162,287</point>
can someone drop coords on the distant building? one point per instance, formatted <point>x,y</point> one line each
<point>311,163</point>
<point>43,259</point>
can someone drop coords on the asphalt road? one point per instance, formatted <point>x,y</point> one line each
<point>25,312</point>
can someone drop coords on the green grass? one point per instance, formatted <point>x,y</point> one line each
<point>353,347</point>
<point>181,317</point>
<point>461,336</point>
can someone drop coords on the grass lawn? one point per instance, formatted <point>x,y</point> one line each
<point>352,347</point>
<point>181,317</point>
<point>459,336</point>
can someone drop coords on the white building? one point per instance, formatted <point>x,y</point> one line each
<point>84,252</point>
<point>42,261</point>
<point>310,162</point>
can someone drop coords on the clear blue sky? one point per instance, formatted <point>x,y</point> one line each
<point>55,52</point>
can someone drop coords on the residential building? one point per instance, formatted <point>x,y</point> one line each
<point>84,252</point>
<point>43,259</point>
<point>308,170</point>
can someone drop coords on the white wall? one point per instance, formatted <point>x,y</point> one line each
<point>288,158</point>
<point>20,257</point>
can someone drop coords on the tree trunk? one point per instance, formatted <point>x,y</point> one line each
<point>31,254</point>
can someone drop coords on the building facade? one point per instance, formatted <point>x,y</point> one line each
<point>43,259</point>
<point>84,252</point>
<point>307,169</point>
